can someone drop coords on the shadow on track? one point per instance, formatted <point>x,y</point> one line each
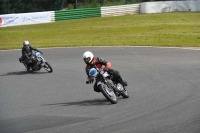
<point>22,73</point>
<point>83,103</point>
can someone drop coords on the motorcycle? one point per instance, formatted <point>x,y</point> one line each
<point>37,62</point>
<point>108,85</point>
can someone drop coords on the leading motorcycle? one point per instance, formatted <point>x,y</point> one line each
<point>37,62</point>
<point>108,85</point>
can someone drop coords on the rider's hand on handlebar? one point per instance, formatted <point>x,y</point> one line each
<point>90,80</point>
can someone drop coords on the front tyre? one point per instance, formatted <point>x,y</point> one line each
<point>47,67</point>
<point>108,93</point>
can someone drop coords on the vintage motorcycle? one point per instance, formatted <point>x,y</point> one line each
<point>108,85</point>
<point>37,62</point>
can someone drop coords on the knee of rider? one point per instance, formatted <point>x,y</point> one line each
<point>117,73</point>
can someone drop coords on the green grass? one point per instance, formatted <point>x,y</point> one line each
<point>166,29</point>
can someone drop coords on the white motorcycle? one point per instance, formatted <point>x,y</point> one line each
<point>37,62</point>
<point>108,85</point>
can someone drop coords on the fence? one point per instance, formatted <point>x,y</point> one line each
<point>120,10</point>
<point>77,14</point>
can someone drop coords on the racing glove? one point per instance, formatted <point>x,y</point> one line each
<point>90,80</point>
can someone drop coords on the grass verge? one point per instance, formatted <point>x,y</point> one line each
<point>180,29</point>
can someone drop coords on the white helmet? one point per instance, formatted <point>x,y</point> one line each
<point>88,57</point>
<point>25,43</point>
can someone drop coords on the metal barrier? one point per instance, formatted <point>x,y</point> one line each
<point>120,10</point>
<point>77,14</point>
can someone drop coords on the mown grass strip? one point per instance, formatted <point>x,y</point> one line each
<point>166,29</point>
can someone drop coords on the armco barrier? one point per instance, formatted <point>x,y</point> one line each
<point>120,10</point>
<point>77,14</point>
<point>170,6</point>
<point>52,16</point>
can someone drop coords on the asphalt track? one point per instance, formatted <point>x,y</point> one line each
<point>164,89</point>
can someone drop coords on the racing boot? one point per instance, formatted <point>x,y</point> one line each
<point>29,69</point>
<point>123,82</point>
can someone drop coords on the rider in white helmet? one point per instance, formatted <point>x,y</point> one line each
<point>97,62</point>
<point>27,51</point>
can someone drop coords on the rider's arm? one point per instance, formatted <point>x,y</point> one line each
<point>24,54</point>
<point>35,49</point>
<point>87,72</point>
<point>104,62</point>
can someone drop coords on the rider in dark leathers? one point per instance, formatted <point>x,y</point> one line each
<point>97,62</point>
<point>27,51</point>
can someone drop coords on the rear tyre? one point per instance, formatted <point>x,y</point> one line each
<point>124,94</point>
<point>108,93</point>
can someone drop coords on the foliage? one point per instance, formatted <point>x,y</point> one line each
<point>3,7</point>
<point>24,6</point>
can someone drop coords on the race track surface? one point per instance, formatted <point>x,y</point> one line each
<point>164,89</point>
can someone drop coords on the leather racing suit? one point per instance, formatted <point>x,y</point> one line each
<point>26,54</point>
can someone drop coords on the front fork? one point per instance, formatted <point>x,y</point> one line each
<point>111,85</point>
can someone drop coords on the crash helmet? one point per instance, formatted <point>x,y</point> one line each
<point>26,44</point>
<point>88,57</point>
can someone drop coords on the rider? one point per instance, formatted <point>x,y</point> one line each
<point>97,62</point>
<point>27,52</point>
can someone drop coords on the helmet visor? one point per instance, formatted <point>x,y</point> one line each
<point>26,46</point>
<point>87,60</point>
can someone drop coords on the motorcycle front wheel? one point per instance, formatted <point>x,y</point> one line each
<point>48,67</point>
<point>108,93</point>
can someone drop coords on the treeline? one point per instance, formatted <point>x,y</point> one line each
<point>24,6</point>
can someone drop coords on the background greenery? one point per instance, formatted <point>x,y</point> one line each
<point>24,6</point>
<point>164,29</point>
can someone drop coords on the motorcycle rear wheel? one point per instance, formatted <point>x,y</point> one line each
<point>124,94</point>
<point>108,93</point>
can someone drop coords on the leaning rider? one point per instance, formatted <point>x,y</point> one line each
<point>97,62</point>
<point>27,51</point>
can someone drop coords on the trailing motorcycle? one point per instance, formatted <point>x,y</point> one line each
<point>37,62</point>
<point>108,85</point>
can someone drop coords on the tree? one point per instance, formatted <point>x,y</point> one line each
<point>24,6</point>
<point>3,7</point>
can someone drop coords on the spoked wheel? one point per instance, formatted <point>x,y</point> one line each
<point>47,67</point>
<point>108,93</point>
